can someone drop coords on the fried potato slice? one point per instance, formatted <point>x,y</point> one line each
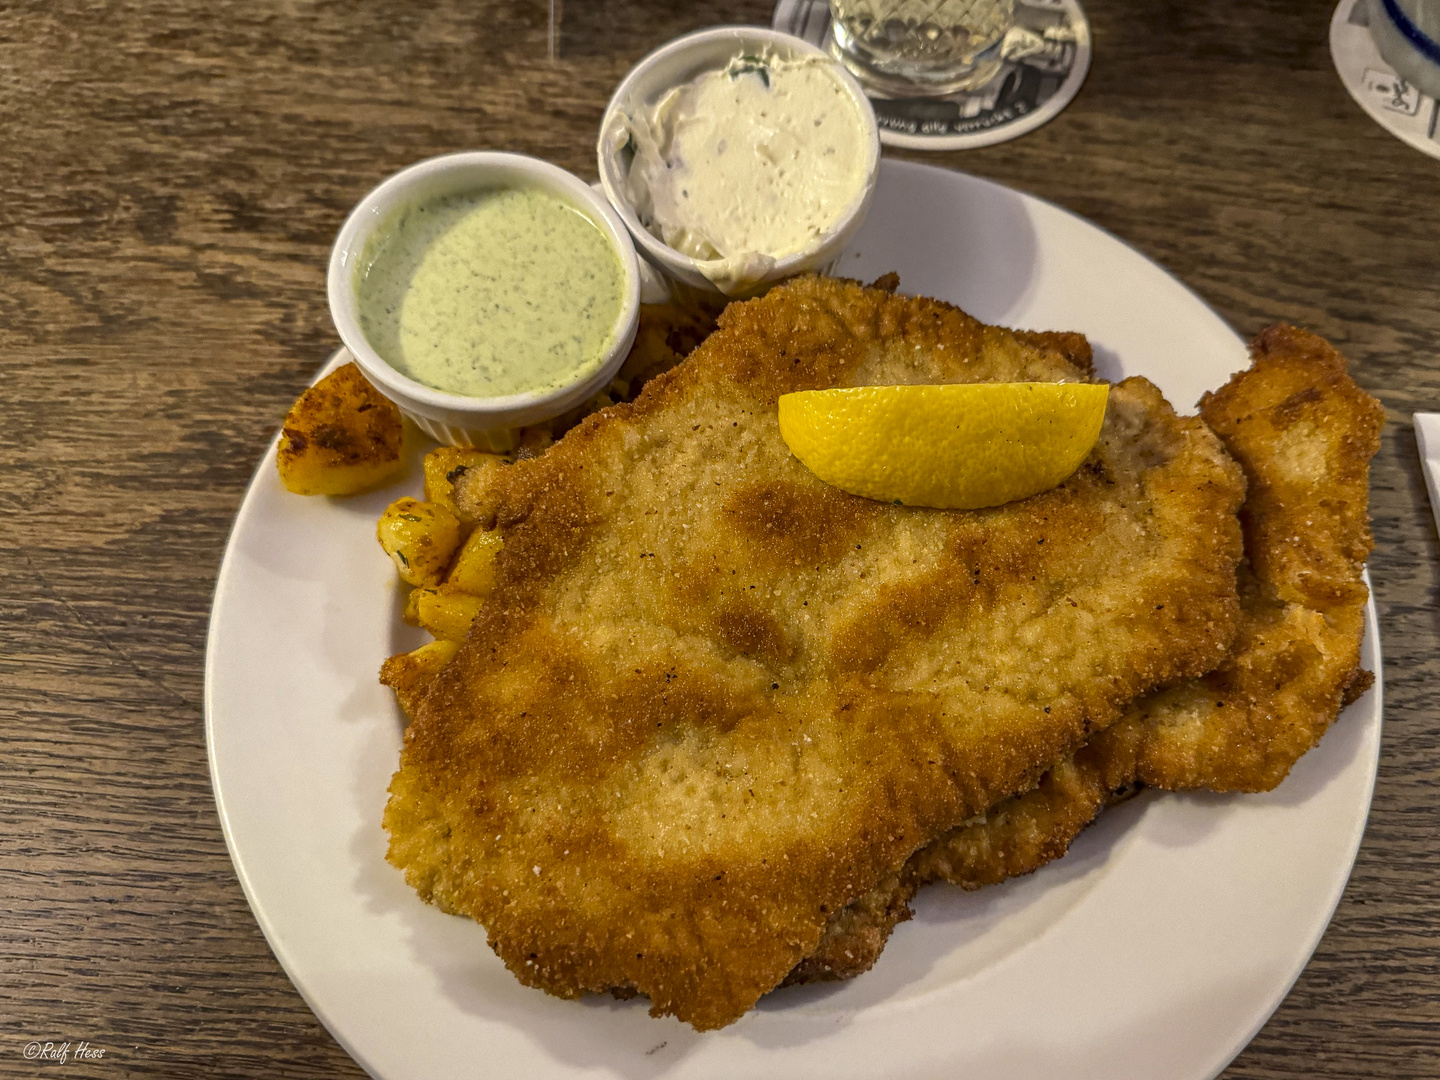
<point>446,611</point>
<point>341,437</point>
<point>474,568</point>
<point>421,538</point>
<point>446,464</point>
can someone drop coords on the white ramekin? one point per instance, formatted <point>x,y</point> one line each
<point>457,419</point>
<point>679,62</point>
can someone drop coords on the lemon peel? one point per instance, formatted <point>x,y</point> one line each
<point>959,446</point>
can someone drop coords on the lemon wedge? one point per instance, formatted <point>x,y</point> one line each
<point>960,446</point>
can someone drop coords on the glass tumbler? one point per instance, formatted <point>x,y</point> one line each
<point>920,47</point>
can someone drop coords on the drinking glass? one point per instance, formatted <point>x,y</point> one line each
<point>920,47</point>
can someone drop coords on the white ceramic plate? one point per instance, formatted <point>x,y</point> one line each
<point>1156,948</point>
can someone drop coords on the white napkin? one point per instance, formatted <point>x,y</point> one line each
<point>1427,437</point>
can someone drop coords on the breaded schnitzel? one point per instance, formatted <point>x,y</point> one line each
<point>1304,433</point>
<point>712,700</point>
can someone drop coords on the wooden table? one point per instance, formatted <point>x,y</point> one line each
<point>174,174</point>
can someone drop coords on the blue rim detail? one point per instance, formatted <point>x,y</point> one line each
<point>1412,33</point>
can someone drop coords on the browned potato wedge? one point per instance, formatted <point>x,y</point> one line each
<point>408,674</point>
<point>420,537</point>
<point>411,614</point>
<point>474,568</point>
<point>446,464</point>
<point>340,438</point>
<point>447,612</point>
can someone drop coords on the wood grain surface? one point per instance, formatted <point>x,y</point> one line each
<point>173,174</point>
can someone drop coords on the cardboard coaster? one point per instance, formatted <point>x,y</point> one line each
<point>1392,102</point>
<point>1046,55</point>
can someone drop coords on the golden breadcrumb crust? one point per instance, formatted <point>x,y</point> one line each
<point>712,700</point>
<point>1304,433</point>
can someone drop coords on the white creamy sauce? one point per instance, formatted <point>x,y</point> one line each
<point>745,165</point>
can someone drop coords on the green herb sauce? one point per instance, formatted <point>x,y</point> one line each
<point>499,292</point>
